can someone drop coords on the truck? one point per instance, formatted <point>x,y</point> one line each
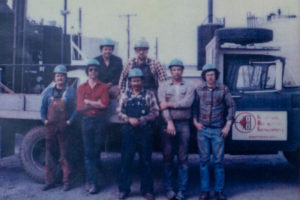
<point>266,121</point>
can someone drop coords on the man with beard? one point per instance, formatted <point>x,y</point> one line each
<point>152,69</point>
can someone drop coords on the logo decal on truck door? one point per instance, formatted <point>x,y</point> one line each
<point>260,125</point>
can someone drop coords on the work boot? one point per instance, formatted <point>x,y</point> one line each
<point>123,195</point>
<point>48,187</point>
<point>180,195</point>
<point>204,196</point>
<point>149,196</point>
<point>171,195</point>
<point>66,187</point>
<point>91,188</point>
<point>220,195</point>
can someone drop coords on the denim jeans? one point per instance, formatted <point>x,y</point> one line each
<point>139,138</point>
<point>92,128</point>
<point>211,137</point>
<point>176,145</point>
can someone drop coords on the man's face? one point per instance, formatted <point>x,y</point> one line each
<point>60,78</point>
<point>136,82</point>
<point>93,72</point>
<point>210,77</point>
<point>106,51</point>
<point>176,72</point>
<point>141,53</point>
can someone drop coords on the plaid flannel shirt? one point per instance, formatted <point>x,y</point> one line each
<point>150,100</point>
<point>156,68</point>
<point>213,105</point>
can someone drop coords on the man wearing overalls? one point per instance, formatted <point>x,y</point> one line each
<point>58,112</point>
<point>92,99</point>
<point>175,98</point>
<point>137,108</point>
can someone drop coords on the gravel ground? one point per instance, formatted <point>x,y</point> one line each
<point>259,177</point>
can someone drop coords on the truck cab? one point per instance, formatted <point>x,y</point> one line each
<point>268,113</point>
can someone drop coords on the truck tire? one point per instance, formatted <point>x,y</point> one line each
<point>33,153</point>
<point>293,157</point>
<point>244,36</point>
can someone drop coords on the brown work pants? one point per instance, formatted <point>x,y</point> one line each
<point>57,150</point>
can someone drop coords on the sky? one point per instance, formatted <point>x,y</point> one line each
<point>173,22</point>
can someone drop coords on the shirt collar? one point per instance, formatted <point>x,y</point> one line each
<point>181,83</point>
<point>217,85</point>
<point>145,63</point>
<point>138,93</point>
<point>97,82</point>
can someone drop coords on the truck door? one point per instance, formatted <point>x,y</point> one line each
<point>262,109</point>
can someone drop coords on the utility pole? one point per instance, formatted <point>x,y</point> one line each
<point>156,48</point>
<point>128,31</point>
<point>64,13</point>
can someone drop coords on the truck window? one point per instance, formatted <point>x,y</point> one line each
<point>256,77</point>
<point>271,78</point>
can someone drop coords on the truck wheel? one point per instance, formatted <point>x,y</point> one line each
<point>244,36</point>
<point>293,157</point>
<point>33,153</point>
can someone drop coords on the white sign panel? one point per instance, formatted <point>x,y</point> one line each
<point>260,125</point>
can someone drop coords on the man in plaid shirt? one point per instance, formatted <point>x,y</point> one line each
<point>152,69</point>
<point>213,112</point>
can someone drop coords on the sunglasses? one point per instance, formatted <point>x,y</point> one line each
<point>93,70</point>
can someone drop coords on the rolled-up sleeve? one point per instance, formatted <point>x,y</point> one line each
<point>195,105</point>
<point>153,109</point>
<point>187,101</point>
<point>161,93</point>
<point>45,104</point>
<point>231,107</point>
<point>121,108</point>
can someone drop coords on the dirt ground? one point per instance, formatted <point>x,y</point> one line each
<point>262,177</point>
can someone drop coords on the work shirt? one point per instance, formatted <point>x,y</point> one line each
<point>150,101</point>
<point>69,98</point>
<point>181,96</point>
<point>99,91</point>
<point>112,72</point>
<point>213,105</point>
<point>157,70</point>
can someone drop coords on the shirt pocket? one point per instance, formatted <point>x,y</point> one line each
<point>218,99</point>
<point>169,95</point>
<point>182,91</point>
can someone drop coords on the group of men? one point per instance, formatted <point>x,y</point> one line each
<point>145,96</point>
